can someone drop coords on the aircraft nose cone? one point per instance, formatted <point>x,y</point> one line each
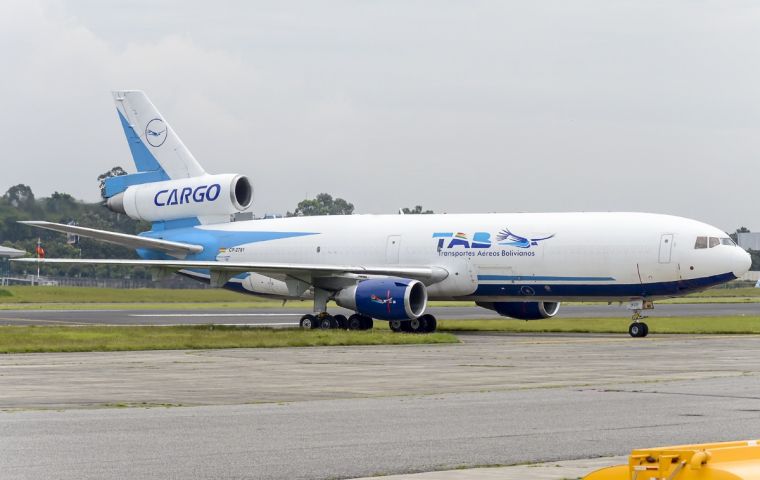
<point>742,262</point>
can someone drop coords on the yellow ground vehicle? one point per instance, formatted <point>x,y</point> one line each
<point>707,461</point>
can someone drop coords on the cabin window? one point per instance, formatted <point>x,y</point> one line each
<point>701,242</point>
<point>714,242</point>
<point>727,241</point>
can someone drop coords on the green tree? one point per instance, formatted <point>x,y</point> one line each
<point>416,211</point>
<point>19,204</point>
<point>324,204</point>
<point>20,196</point>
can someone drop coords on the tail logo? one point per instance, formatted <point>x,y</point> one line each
<point>155,132</point>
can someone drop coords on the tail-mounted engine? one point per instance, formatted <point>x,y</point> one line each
<point>385,298</point>
<point>207,195</point>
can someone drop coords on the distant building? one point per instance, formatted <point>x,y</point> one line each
<point>749,240</point>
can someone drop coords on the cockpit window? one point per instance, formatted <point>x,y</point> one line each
<point>714,242</point>
<point>727,241</point>
<point>701,242</point>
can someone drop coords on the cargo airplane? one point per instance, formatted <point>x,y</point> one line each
<point>387,267</point>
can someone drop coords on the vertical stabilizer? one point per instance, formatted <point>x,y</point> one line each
<point>154,145</point>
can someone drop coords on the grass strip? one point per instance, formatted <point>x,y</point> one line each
<point>28,294</point>
<point>15,295</point>
<point>27,339</point>
<point>684,325</point>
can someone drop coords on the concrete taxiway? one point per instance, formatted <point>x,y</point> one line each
<point>346,412</point>
<point>285,317</point>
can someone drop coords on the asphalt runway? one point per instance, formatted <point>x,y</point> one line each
<point>344,412</point>
<point>285,317</point>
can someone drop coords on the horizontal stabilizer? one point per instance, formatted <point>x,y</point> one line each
<point>176,249</point>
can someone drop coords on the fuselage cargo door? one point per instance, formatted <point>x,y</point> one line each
<point>392,249</point>
<point>666,247</point>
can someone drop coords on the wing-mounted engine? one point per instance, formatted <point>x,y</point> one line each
<point>385,298</point>
<point>203,196</point>
<point>523,310</point>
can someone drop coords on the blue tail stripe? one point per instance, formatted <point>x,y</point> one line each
<point>115,185</point>
<point>144,160</point>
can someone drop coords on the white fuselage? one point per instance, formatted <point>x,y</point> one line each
<point>488,257</point>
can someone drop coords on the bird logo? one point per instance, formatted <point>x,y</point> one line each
<point>509,239</point>
<point>155,132</point>
<point>388,300</point>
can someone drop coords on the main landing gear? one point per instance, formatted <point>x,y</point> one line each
<point>424,324</point>
<point>639,329</point>
<point>326,321</point>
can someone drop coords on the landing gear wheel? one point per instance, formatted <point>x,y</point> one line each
<point>327,322</point>
<point>355,322</point>
<point>430,323</point>
<point>417,325</point>
<point>367,323</point>
<point>308,322</point>
<point>638,329</point>
<point>395,325</point>
<point>342,321</point>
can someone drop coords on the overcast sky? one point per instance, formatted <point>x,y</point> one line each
<point>471,106</point>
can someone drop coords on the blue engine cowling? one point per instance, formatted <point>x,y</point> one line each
<point>385,298</point>
<point>523,310</point>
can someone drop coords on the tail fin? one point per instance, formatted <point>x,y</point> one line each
<point>154,145</point>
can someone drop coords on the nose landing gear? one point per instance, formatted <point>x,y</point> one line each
<point>639,329</point>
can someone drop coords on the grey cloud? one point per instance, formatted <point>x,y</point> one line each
<point>459,106</point>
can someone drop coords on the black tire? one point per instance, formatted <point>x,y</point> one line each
<point>417,325</point>
<point>327,322</point>
<point>636,330</point>
<point>308,322</point>
<point>342,321</point>
<point>431,323</point>
<point>646,329</point>
<point>395,325</point>
<point>355,322</point>
<point>367,323</point>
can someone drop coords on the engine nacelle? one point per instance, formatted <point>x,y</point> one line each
<point>208,195</point>
<point>385,298</point>
<point>523,310</point>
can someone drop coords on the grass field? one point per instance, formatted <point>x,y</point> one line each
<point>102,339</point>
<point>155,298</point>
<point>683,325</point>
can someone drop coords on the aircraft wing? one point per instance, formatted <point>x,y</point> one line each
<point>222,270</point>
<point>132,241</point>
<point>426,274</point>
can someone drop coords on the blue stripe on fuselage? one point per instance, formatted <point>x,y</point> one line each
<point>539,278</point>
<point>212,240</point>
<point>656,289</point>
